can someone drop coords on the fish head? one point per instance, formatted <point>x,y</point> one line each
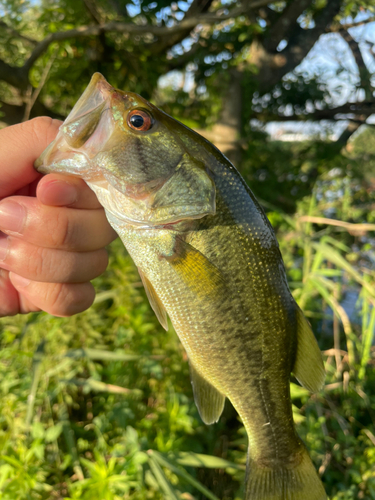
<point>133,156</point>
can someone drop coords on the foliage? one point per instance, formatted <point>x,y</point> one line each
<point>49,50</point>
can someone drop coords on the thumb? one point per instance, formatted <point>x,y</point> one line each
<point>20,146</point>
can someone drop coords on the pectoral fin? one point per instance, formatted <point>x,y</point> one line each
<point>199,274</point>
<point>308,366</point>
<point>209,401</point>
<point>154,300</point>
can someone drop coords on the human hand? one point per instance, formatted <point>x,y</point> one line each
<point>52,229</point>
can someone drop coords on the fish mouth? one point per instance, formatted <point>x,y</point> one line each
<point>87,126</point>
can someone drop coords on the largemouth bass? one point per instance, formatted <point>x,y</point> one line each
<point>208,257</point>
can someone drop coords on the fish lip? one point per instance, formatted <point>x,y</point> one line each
<point>107,90</point>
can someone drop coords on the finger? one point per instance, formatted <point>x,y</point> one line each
<point>66,190</point>
<point>20,146</point>
<point>50,265</point>
<point>55,227</point>
<point>9,303</point>
<point>58,299</point>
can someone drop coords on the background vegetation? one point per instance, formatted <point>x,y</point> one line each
<point>99,406</point>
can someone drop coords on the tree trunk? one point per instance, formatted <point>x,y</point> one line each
<point>225,134</point>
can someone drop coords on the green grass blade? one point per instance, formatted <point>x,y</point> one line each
<point>101,355</point>
<point>185,475</point>
<point>323,286</point>
<point>162,481</point>
<point>91,384</point>
<point>336,258</point>
<point>37,372</point>
<point>367,340</point>
<point>191,459</point>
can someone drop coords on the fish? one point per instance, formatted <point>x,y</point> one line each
<point>209,259</point>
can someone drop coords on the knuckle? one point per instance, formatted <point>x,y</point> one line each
<point>48,265</point>
<point>61,230</point>
<point>36,262</point>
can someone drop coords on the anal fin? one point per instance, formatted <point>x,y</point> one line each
<point>154,300</point>
<point>209,401</point>
<point>308,367</point>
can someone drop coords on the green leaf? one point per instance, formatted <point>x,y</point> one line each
<point>297,392</point>
<point>37,430</point>
<point>52,433</point>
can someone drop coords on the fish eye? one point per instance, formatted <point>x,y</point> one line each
<point>139,119</point>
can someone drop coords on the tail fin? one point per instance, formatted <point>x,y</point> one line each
<point>285,482</point>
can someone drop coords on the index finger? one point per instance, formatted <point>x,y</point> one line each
<point>20,146</point>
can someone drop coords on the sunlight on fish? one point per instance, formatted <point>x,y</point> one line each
<point>208,258</point>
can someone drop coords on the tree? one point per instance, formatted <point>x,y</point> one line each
<point>49,51</point>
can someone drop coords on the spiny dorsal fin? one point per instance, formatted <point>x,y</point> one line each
<point>308,367</point>
<point>209,401</point>
<point>154,300</point>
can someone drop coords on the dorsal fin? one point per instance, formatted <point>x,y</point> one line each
<point>154,300</point>
<point>209,401</point>
<point>308,367</point>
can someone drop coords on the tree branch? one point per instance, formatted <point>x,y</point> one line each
<point>337,27</point>
<point>137,29</point>
<point>18,76</point>
<point>272,67</point>
<point>346,134</point>
<point>15,33</point>
<point>284,25</point>
<point>364,73</point>
<point>303,41</point>
<point>196,8</point>
<point>93,11</point>
<point>353,111</point>
<point>269,15</point>
<point>13,75</point>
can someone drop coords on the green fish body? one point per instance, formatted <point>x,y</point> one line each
<point>208,258</point>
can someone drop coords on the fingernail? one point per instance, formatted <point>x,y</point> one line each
<point>58,193</point>
<point>12,215</point>
<point>4,244</point>
<point>18,281</point>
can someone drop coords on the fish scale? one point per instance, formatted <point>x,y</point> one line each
<point>208,258</point>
